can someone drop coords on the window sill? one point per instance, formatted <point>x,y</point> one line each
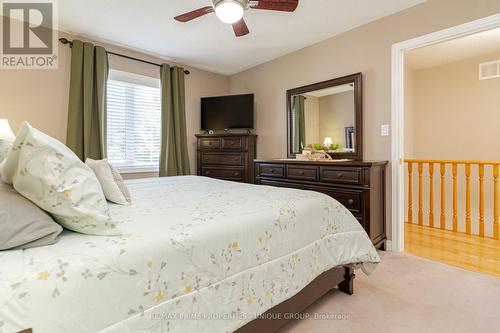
<point>138,170</point>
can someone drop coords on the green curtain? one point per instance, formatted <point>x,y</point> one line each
<point>299,124</point>
<point>174,160</point>
<point>86,133</point>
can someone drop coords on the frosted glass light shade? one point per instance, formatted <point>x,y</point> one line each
<point>328,142</point>
<point>5,131</point>
<point>229,12</point>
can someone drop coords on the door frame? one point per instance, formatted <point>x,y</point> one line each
<point>397,112</point>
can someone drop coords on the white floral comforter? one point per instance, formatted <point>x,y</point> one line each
<point>197,255</point>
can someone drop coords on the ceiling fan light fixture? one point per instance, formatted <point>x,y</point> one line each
<point>229,11</point>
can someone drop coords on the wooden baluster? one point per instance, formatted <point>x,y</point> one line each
<point>481,200</point>
<point>420,190</point>
<point>496,229</point>
<point>410,193</point>
<point>467,199</point>
<point>443,195</point>
<point>431,195</point>
<point>455,222</point>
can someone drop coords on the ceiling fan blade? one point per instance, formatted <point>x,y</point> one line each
<point>240,28</point>
<point>194,14</point>
<point>279,5</point>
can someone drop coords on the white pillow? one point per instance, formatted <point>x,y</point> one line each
<point>4,149</point>
<point>111,181</point>
<point>49,174</point>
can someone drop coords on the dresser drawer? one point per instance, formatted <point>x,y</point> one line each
<point>350,199</point>
<point>234,143</point>
<point>341,175</point>
<point>210,143</point>
<point>228,174</point>
<point>222,159</point>
<point>272,170</point>
<point>302,172</point>
<point>361,221</point>
<point>279,184</point>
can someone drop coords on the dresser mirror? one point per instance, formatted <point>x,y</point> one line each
<point>327,115</point>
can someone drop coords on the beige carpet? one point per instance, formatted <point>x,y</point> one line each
<point>410,294</point>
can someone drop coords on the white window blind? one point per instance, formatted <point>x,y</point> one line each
<point>133,122</point>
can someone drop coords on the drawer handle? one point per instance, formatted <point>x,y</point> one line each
<point>340,175</point>
<point>236,174</point>
<point>301,173</point>
<point>207,173</point>
<point>350,201</point>
<point>236,158</point>
<point>206,158</point>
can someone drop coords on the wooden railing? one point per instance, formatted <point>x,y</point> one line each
<point>458,168</point>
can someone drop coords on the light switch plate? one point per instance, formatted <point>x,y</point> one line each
<point>384,130</point>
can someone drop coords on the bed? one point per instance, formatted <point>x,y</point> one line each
<point>196,254</point>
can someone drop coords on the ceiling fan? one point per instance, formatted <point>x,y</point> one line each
<point>231,11</point>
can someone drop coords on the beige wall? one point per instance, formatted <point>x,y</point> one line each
<point>41,96</point>
<point>365,49</point>
<point>454,115</point>
<point>311,115</point>
<point>336,112</point>
<point>408,111</point>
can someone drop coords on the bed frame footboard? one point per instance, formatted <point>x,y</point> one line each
<point>341,277</point>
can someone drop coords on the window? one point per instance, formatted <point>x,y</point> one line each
<point>133,122</point>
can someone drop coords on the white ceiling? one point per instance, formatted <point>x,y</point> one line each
<point>482,43</point>
<point>206,42</point>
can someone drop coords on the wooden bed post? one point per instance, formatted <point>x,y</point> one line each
<point>347,286</point>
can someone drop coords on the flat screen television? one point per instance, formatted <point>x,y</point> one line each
<point>227,112</point>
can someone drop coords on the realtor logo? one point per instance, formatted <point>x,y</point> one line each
<point>29,35</point>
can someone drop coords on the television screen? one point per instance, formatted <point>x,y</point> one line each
<point>227,112</point>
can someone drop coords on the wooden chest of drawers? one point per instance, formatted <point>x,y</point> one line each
<point>358,185</point>
<point>227,156</point>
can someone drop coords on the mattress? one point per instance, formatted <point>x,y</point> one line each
<point>196,254</point>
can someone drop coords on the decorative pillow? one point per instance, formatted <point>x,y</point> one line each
<point>4,149</point>
<point>111,181</point>
<point>49,174</point>
<point>22,224</point>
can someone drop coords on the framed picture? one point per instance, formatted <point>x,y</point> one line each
<point>349,137</point>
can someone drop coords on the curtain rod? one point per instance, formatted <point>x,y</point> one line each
<point>67,41</point>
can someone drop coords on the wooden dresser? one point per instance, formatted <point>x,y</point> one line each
<point>227,156</point>
<point>358,185</point>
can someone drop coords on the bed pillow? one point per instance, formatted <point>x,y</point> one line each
<point>111,181</point>
<point>49,174</point>
<point>22,224</point>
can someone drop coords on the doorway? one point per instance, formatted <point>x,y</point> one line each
<point>430,192</point>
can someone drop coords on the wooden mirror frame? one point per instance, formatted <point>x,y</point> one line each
<point>357,79</point>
